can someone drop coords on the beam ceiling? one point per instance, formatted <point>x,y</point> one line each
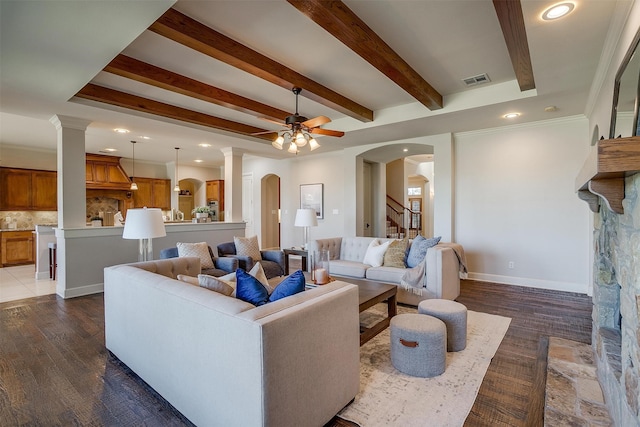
<point>191,33</point>
<point>121,99</point>
<point>143,72</point>
<point>338,20</point>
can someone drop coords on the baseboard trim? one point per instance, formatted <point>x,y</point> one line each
<point>579,288</point>
<point>80,291</point>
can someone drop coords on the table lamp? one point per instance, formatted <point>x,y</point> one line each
<point>306,218</point>
<point>144,224</point>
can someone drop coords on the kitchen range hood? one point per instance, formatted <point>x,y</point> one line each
<point>105,173</point>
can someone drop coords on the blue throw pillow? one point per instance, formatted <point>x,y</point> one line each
<point>418,249</point>
<point>289,286</point>
<point>249,289</point>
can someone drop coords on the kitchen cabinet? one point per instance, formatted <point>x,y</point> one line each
<point>16,247</point>
<point>152,193</point>
<point>28,190</point>
<point>215,191</point>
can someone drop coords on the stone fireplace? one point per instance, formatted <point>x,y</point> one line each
<point>616,300</point>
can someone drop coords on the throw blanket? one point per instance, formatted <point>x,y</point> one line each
<point>413,278</point>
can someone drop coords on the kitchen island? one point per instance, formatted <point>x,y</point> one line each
<point>83,253</point>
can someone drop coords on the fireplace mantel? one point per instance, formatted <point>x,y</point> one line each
<point>604,171</point>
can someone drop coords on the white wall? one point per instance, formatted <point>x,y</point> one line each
<point>516,202</point>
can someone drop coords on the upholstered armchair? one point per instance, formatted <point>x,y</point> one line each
<point>221,266</point>
<point>272,260</point>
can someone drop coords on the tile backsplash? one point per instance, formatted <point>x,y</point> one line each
<point>27,219</point>
<point>95,205</point>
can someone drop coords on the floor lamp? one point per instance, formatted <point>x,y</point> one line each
<point>144,224</point>
<point>306,218</point>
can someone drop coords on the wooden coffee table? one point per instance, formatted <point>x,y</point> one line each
<point>371,293</point>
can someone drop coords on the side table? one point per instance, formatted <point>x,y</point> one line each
<point>293,251</point>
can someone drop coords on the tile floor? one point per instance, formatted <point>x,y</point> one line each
<point>20,282</point>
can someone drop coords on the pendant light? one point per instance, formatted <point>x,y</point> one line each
<point>177,186</point>
<point>134,186</point>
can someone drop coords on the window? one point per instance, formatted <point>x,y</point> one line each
<point>414,191</point>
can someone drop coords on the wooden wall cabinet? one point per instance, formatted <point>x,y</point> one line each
<point>215,191</point>
<point>16,247</point>
<point>28,190</point>
<point>152,193</point>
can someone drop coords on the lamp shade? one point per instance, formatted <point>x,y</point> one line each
<point>145,223</point>
<point>306,218</point>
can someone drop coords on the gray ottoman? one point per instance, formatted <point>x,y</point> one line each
<point>454,316</point>
<point>418,345</point>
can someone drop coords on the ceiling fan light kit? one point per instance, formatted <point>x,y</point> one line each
<point>299,130</point>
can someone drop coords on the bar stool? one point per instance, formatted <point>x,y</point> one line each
<point>53,263</point>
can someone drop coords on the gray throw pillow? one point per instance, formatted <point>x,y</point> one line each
<point>418,249</point>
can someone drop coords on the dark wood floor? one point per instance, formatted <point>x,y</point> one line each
<point>55,370</point>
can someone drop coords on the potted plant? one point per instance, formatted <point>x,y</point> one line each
<point>201,211</point>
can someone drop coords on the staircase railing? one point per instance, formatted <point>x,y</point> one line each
<point>407,222</point>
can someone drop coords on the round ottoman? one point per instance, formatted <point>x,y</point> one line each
<point>418,345</point>
<point>454,316</point>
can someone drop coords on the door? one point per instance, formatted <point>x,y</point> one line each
<point>247,203</point>
<point>367,208</point>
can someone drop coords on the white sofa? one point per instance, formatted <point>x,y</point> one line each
<point>222,361</point>
<point>442,278</point>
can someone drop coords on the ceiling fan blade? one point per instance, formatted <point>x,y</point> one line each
<point>327,132</point>
<point>316,121</point>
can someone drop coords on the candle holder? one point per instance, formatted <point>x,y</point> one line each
<point>320,272</point>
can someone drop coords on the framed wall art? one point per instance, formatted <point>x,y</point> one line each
<point>312,197</point>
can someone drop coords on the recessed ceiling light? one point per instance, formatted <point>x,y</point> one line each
<point>198,160</point>
<point>111,150</point>
<point>121,130</point>
<point>557,11</point>
<point>405,149</point>
<point>204,145</point>
<point>145,137</point>
<point>511,115</point>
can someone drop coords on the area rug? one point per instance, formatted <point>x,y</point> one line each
<point>388,397</point>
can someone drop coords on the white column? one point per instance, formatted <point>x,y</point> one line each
<point>72,204</point>
<point>232,184</point>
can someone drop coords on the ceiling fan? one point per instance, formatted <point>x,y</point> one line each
<point>299,128</point>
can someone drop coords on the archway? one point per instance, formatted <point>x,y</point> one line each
<point>270,211</point>
<point>374,179</point>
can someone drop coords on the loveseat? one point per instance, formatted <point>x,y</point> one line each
<point>441,278</point>
<point>222,361</point>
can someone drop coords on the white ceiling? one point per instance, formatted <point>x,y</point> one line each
<point>50,49</point>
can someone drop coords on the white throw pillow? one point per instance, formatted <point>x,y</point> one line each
<point>248,246</point>
<point>200,250</point>
<point>375,253</point>
<point>215,284</point>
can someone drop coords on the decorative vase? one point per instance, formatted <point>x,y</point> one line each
<point>201,215</point>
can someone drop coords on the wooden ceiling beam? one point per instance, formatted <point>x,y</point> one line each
<point>121,99</point>
<point>338,20</point>
<point>515,36</point>
<point>189,32</point>
<point>143,72</point>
